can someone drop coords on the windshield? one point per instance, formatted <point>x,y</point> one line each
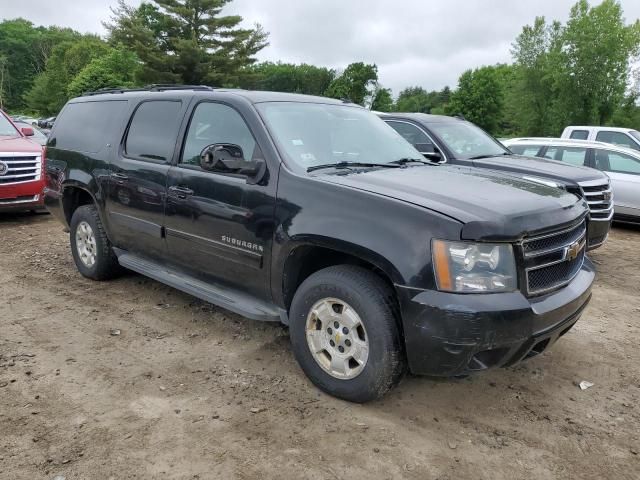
<point>6,129</point>
<point>312,134</point>
<point>635,134</point>
<point>466,140</point>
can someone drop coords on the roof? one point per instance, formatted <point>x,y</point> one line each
<point>566,142</point>
<point>599,127</point>
<point>203,91</point>
<point>421,117</point>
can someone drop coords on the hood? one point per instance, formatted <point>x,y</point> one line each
<point>493,206</point>
<point>561,172</point>
<point>18,145</point>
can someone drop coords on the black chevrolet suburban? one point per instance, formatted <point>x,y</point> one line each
<point>459,142</point>
<point>315,213</point>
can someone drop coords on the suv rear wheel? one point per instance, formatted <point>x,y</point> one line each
<point>345,335</point>
<point>90,246</point>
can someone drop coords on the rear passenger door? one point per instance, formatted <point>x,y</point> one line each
<point>617,138</point>
<point>138,176</point>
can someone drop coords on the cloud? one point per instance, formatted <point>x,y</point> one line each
<point>413,42</point>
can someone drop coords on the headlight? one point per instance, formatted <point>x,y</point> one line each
<point>464,267</point>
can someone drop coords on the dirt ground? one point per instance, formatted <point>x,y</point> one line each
<point>189,391</point>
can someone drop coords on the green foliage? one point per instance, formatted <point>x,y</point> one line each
<point>417,99</point>
<point>24,50</point>
<point>118,68</point>
<point>287,77</point>
<point>49,92</point>
<point>382,100</point>
<point>479,97</point>
<point>356,83</point>
<point>186,41</point>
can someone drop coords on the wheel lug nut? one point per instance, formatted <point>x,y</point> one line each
<point>341,348</point>
<point>332,343</point>
<point>336,324</point>
<point>329,331</point>
<point>345,330</point>
<point>347,343</point>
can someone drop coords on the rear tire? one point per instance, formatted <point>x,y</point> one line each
<point>345,335</point>
<point>90,247</point>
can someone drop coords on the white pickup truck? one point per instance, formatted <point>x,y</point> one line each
<point>624,137</point>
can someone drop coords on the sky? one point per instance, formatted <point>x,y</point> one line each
<point>426,43</point>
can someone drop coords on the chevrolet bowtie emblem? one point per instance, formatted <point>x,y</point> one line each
<point>574,250</point>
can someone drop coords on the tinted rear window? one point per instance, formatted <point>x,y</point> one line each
<point>85,127</point>
<point>153,131</point>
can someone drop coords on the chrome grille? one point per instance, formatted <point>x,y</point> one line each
<point>599,196</point>
<point>553,260</point>
<point>21,168</point>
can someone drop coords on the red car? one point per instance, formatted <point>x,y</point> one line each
<point>21,168</point>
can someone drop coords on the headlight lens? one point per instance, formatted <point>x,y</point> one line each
<point>464,267</point>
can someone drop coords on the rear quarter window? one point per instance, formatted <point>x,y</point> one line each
<point>86,126</point>
<point>579,135</point>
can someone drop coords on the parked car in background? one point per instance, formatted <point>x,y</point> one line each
<point>39,136</point>
<point>623,137</point>
<point>25,119</point>
<point>313,212</point>
<point>21,168</point>
<point>459,142</point>
<point>621,164</point>
<point>46,122</point>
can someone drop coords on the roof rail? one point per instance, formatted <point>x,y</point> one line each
<point>156,87</point>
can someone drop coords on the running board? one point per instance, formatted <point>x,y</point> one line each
<point>222,296</point>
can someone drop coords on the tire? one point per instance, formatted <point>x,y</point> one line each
<point>334,294</point>
<point>105,265</point>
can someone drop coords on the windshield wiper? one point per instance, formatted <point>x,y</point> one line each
<point>404,161</point>
<point>488,155</point>
<point>350,164</point>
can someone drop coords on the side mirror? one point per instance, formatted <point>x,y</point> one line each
<point>229,158</point>
<point>27,131</point>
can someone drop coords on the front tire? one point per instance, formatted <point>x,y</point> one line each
<point>90,246</point>
<point>345,334</point>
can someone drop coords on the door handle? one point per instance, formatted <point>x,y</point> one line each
<point>181,192</point>
<point>119,177</point>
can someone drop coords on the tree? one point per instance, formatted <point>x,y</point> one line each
<point>479,97</point>
<point>356,83</point>
<point>287,77</point>
<point>382,100</point>
<point>597,48</point>
<point>118,68</point>
<point>49,92</point>
<point>186,41</point>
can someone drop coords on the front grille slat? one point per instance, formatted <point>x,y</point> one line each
<point>599,197</point>
<point>21,169</point>
<point>553,260</point>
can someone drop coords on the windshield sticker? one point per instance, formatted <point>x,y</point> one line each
<point>297,143</point>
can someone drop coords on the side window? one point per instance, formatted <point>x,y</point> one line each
<point>527,150</point>
<point>410,133</point>
<point>573,155</point>
<point>617,138</point>
<point>579,135</point>
<point>85,127</point>
<point>153,130</point>
<point>611,161</point>
<point>217,123</point>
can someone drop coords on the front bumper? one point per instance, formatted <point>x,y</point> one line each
<point>455,334</point>
<point>597,233</point>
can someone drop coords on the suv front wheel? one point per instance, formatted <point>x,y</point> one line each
<point>90,246</point>
<point>345,335</point>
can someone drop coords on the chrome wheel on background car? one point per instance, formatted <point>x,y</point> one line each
<point>337,338</point>
<point>86,244</point>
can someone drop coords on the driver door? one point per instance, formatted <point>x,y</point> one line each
<point>217,225</point>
